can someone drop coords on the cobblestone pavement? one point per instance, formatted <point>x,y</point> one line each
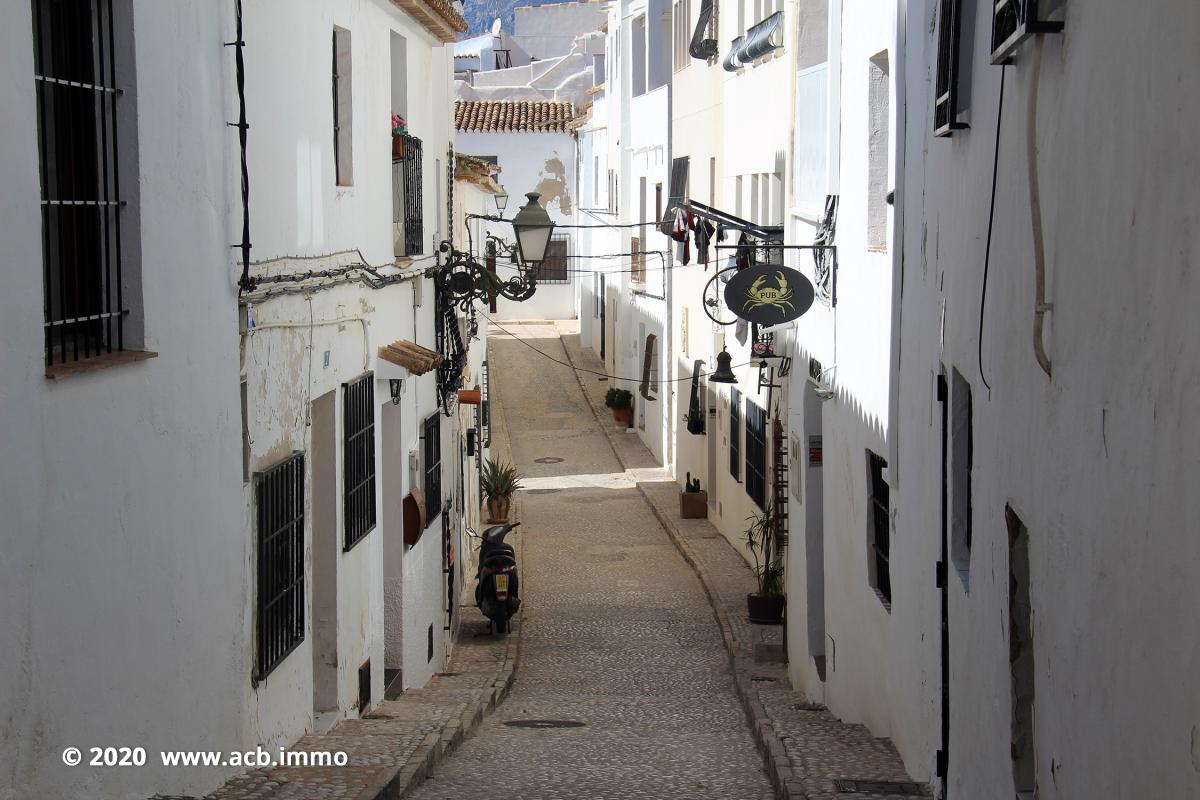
<point>617,633</point>
<point>808,747</point>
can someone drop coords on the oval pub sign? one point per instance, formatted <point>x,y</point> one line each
<point>768,294</point>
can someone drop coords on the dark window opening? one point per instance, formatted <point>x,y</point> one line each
<point>429,643</point>
<point>735,433</point>
<point>756,454</point>
<point>364,687</point>
<point>961,462</point>
<point>85,308</point>
<point>279,519</point>
<point>553,268</point>
<point>432,437</point>
<point>879,528</point>
<point>1020,656</point>
<point>358,458</point>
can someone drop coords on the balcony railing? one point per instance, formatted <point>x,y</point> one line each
<point>407,212</point>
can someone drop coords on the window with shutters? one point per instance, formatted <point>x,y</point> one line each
<point>681,19</point>
<point>680,170</point>
<point>553,268</point>
<point>358,459</point>
<point>431,436</point>
<point>343,109</point>
<point>637,260</point>
<point>879,528</point>
<point>735,433</point>
<point>279,519</point>
<point>756,454</point>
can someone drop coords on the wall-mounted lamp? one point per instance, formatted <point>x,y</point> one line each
<point>501,198</point>
<point>533,227</point>
<point>397,386</point>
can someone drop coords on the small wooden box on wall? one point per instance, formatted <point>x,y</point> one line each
<point>693,505</point>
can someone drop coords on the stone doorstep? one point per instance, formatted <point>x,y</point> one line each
<point>742,655</point>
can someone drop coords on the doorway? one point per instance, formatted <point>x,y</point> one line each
<point>603,314</point>
<point>326,551</point>
<point>814,523</point>
<point>394,468</point>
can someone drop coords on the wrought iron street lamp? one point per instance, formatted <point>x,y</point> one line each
<point>501,198</point>
<point>533,227</point>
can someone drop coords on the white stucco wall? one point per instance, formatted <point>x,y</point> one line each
<point>323,343</point>
<point>549,31</point>
<point>1095,459</point>
<point>123,579</point>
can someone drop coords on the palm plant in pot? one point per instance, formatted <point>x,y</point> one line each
<point>766,605</point>
<point>621,403</point>
<point>499,483</point>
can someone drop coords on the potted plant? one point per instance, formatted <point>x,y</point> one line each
<point>765,605</point>
<point>621,403</point>
<point>500,482</point>
<point>399,131</point>
<point>694,420</point>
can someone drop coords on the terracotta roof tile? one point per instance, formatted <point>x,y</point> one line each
<point>502,116</point>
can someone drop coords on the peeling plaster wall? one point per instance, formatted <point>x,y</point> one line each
<point>124,549</point>
<point>529,162</point>
<point>326,342</point>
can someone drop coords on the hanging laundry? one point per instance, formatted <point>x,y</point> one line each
<point>745,252</point>
<point>704,234</point>
<point>679,232</point>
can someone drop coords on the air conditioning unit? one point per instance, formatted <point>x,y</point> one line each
<point>414,468</point>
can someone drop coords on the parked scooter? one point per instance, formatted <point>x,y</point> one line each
<point>496,586</point>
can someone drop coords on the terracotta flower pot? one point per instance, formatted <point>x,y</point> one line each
<point>470,397</point>
<point>397,146</point>
<point>498,511</point>
<point>624,416</point>
<point>765,609</point>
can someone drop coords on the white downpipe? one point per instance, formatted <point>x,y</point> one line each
<point>1040,306</point>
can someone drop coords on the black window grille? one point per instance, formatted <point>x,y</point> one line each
<point>880,527</point>
<point>485,407</point>
<point>553,268</point>
<point>432,436</point>
<point>1014,21</point>
<point>358,459</point>
<point>75,76</point>
<point>735,433</point>
<point>407,193</point>
<point>279,509</point>
<point>756,454</point>
<point>945,103</point>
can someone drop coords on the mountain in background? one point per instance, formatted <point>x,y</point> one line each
<point>481,13</point>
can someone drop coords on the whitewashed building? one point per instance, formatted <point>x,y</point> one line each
<point>213,466</point>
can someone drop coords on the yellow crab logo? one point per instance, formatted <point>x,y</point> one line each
<point>778,297</point>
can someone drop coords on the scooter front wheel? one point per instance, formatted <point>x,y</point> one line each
<point>502,626</point>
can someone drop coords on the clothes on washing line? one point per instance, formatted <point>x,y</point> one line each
<point>679,232</point>
<point>704,234</point>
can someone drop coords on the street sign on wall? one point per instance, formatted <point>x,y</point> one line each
<point>768,294</point>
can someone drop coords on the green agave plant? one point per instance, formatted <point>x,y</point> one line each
<point>500,481</point>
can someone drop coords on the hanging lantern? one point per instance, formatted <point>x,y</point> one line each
<point>533,227</point>
<point>724,372</point>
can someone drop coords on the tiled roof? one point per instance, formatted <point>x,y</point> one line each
<point>439,17</point>
<point>501,116</point>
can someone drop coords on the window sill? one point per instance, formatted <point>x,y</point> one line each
<point>96,363</point>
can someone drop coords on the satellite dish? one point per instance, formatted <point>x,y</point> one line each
<point>496,27</point>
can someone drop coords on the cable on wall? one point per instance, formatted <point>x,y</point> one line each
<point>1040,306</point>
<point>987,252</point>
<point>245,283</point>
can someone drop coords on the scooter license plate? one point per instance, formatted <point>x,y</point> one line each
<point>501,584</point>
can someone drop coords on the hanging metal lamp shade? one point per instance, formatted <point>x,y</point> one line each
<point>724,371</point>
<point>533,227</point>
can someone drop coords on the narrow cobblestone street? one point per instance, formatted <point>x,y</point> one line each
<point>617,632</point>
